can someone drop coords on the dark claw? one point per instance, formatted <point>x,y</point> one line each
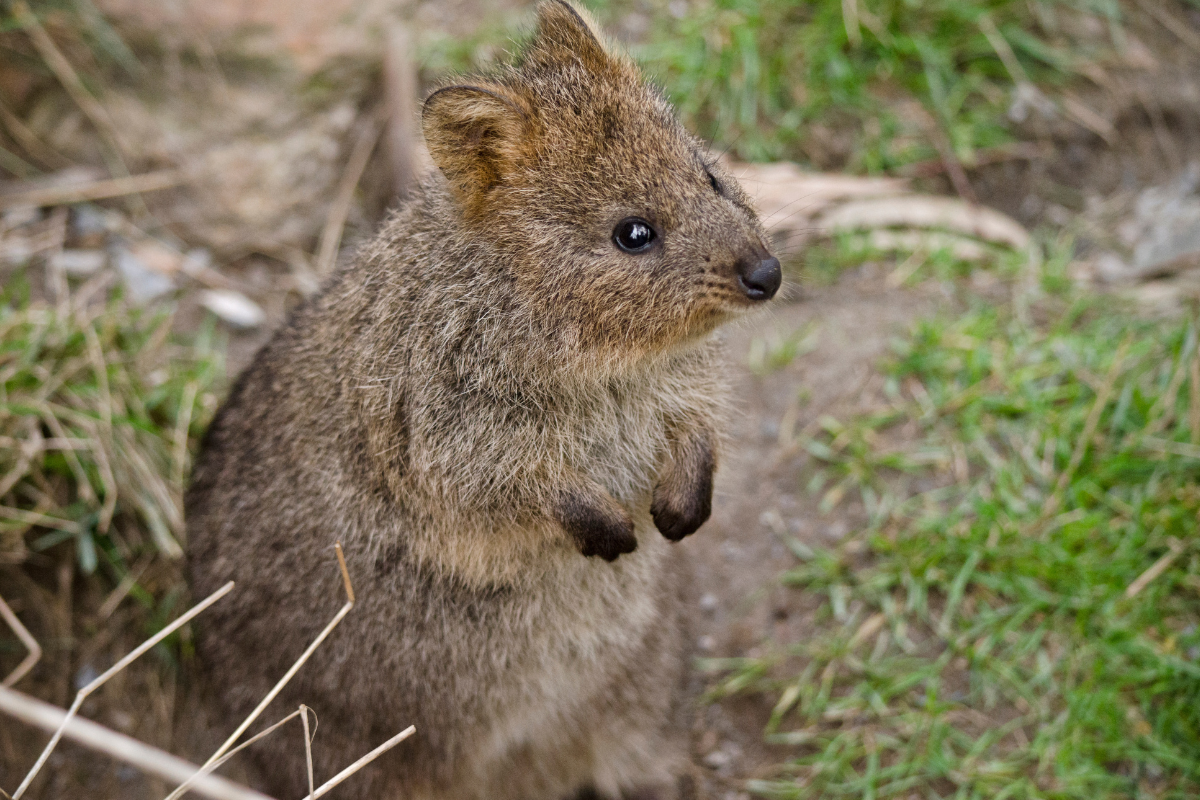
<point>683,499</point>
<point>597,530</point>
<point>677,517</point>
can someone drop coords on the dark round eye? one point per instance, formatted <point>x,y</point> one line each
<point>712,181</point>
<point>633,235</point>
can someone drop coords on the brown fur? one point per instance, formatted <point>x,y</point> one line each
<point>491,392</point>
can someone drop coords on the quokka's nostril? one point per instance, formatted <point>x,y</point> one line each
<point>762,282</point>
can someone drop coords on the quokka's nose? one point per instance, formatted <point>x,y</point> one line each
<point>760,281</point>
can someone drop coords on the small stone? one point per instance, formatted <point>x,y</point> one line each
<point>772,520</point>
<point>197,260</point>
<point>233,308</point>
<point>1058,215</point>
<point>144,284</point>
<point>78,263</point>
<point>88,220</point>
<point>717,759</point>
<point>707,644</point>
<point>15,250</point>
<point>158,256</point>
<point>708,602</point>
<point>20,215</point>
<point>837,530</point>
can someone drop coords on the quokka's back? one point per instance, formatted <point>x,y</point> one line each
<point>507,410</point>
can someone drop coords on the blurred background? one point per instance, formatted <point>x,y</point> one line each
<point>954,552</point>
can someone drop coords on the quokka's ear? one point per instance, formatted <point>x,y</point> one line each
<point>474,135</point>
<point>565,34</point>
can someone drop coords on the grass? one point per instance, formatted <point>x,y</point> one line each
<point>100,409</point>
<point>1018,615</point>
<point>870,86</point>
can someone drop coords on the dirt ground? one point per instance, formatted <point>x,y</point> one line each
<point>760,497</point>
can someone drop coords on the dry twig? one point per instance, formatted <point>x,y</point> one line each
<point>35,649</point>
<point>400,86</point>
<point>68,77</point>
<point>1089,430</point>
<point>308,737</point>
<point>331,234</point>
<point>1181,29</point>
<point>362,762</point>
<point>113,670</point>
<point>150,759</point>
<point>1156,569</point>
<point>200,772</point>
<point>92,190</point>
<point>275,690</point>
<point>49,157</point>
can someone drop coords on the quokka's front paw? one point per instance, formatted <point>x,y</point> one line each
<point>599,526</point>
<point>682,500</point>
<point>677,515</point>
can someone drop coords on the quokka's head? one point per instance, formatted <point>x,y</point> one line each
<point>624,235</point>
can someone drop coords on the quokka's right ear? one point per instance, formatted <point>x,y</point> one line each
<point>474,135</point>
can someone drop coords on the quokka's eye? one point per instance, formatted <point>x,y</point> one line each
<point>712,181</point>
<point>634,235</point>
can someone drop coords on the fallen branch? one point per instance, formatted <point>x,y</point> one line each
<point>93,190</point>
<point>149,759</point>
<point>784,186</point>
<point>1018,151</point>
<point>926,212</point>
<point>331,234</point>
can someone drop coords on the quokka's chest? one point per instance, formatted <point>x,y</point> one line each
<point>620,444</point>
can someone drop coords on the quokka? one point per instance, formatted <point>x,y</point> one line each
<point>508,410</point>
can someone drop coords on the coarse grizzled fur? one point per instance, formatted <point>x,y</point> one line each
<point>492,391</point>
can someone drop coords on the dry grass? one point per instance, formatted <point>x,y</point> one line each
<point>157,762</point>
<point>99,408</point>
<point>101,403</point>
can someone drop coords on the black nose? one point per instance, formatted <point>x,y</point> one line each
<point>760,282</point>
